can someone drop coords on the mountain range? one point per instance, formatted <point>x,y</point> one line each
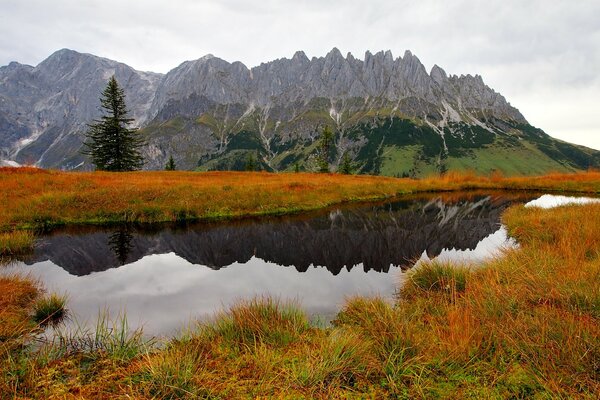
<point>389,115</point>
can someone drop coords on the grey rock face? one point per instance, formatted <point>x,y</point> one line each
<point>288,81</point>
<point>44,109</point>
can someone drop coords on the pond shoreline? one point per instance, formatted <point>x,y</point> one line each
<point>524,324</point>
<point>39,200</point>
<point>319,258</point>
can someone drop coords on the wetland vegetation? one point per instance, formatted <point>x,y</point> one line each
<point>523,324</point>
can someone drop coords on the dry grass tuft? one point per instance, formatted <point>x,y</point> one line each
<point>15,243</point>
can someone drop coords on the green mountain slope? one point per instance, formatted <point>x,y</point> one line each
<point>376,142</point>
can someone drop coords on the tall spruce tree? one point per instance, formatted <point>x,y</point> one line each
<point>111,144</point>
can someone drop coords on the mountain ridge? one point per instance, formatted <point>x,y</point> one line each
<point>390,114</point>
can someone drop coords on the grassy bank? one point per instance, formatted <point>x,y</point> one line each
<point>524,325</point>
<point>37,199</point>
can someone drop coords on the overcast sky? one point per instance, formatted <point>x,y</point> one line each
<point>542,55</point>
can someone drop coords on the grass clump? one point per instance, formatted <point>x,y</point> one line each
<point>261,320</point>
<point>108,338</point>
<point>381,323</point>
<point>394,336</point>
<point>174,373</point>
<point>16,242</point>
<point>17,293</point>
<point>435,277</point>
<point>340,360</point>
<point>50,309</point>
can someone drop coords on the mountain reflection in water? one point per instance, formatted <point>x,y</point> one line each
<point>166,276</point>
<point>377,236</point>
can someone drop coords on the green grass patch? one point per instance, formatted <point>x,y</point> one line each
<point>396,161</point>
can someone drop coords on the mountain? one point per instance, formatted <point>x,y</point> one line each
<point>389,115</point>
<point>44,109</point>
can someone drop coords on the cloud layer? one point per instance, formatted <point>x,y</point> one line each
<point>542,55</point>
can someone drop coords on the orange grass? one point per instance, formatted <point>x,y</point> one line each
<point>15,242</point>
<point>529,321</point>
<point>16,297</point>
<point>524,325</point>
<point>33,197</point>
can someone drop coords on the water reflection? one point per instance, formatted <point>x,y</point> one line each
<point>376,237</point>
<point>120,243</point>
<point>551,201</point>
<point>166,276</point>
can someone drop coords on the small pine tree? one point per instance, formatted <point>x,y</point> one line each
<point>346,166</point>
<point>250,163</point>
<point>296,167</point>
<point>110,143</point>
<point>443,168</point>
<point>170,166</point>
<point>324,147</point>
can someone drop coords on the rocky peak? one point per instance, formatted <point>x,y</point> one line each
<point>300,57</point>
<point>13,66</point>
<point>335,54</point>
<point>368,60</point>
<point>299,79</point>
<point>333,60</point>
<point>438,75</point>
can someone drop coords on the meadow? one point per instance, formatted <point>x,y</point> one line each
<point>36,199</point>
<point>525,324</point>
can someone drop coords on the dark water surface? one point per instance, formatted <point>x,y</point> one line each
<point>167,276</point>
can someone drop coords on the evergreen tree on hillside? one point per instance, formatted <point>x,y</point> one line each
<point>170,166</point>
<point>324,146</point>
<point>251,164</point>
<point>111,144</point>
<point>346,166</point>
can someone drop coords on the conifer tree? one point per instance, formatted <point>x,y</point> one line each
<point>325,145</point>
<point>346,166</point>
<point>170,166</point>
<point>111,144</point>
<point>250,163</point>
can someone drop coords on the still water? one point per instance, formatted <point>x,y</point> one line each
<point>167,276</point>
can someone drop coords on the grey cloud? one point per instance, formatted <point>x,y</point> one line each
<point>518,47</point>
